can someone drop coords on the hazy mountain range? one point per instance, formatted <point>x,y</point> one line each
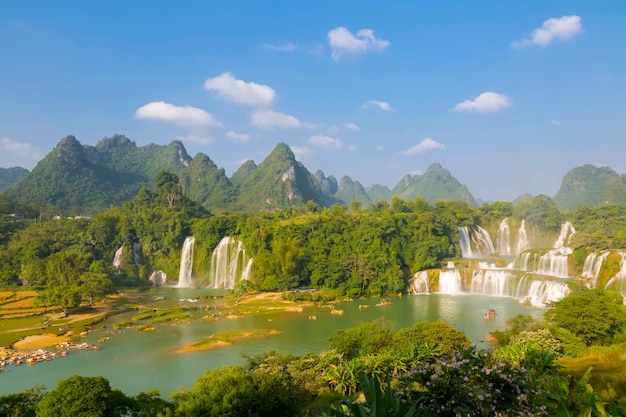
<point>84,179</point>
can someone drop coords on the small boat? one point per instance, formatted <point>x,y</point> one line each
<point>491,313</point>
<point>384,302</point>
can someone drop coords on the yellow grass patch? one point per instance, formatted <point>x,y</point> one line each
<point>225,339</point>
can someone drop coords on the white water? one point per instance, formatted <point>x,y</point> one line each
<point>136,253</point>
<point>229,264</point>
<point>541,292</point>
<point>186,263</point>
<point>450,282</point>
<point>503,240</point>
<point>567,230</point>
<point>465,243</point>
<point>618,282</point>
<point>521,261</point>
<point>483,241</point>
<point>117,259</point>
<point>420,283</point>
<point>523,244</point>
<point>158,278</point>
<point>554,263</point>
<point>592,267</point>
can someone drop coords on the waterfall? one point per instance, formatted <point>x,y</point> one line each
<point>186,263</point>
<point>450,282</point>
<point>541,292</point>
<point>554,263</point>
<point>503,240</point>
<point>618,282</point>
<point>522,239</point>
<point>588,266</point>
<point>592,266</point>
<point>567,230</point>
<point>521,261</point>
<point>465,243</point>
<point>158,278</point>
<point>136,253</point>
<point>420,283</point>
<point>228,264</point>
<point>483,241</point>
<point>495,282</point>
<point>117,259</point>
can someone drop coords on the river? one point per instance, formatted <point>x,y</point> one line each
<point>140,361</point>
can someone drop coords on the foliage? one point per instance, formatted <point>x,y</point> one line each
<point>540,211</point>
<point>378,402</point>
<point>593,315</point>
<point>22,404</point>
<point>83,396</point>
<point>231,391</point>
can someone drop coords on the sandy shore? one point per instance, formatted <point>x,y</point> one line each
<point>41,341</point>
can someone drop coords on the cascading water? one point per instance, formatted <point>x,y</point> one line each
<point>522,239</point>
<point>483,241</point>
<point>567,230</point>
<point>158,278</point>
<point>521,261</point>
<point>450,282</point>
<point>136,253</point>
<point>186,263</point>
<point>541,292</point>
<point>592,266</point>
<point>420,283</point>
<point>117,259</point>
<point>228,264</point>
<point>465,243</point>
<point>618,282</point>
<point>503,240</point>
<point>554,263</point>
<point>495,282</point>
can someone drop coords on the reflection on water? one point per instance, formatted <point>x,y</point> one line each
<point>139,361</point>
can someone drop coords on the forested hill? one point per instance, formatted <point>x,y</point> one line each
<point>81,179</point>
<point>10,176</point>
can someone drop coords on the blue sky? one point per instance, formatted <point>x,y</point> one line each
<point>508,96</point>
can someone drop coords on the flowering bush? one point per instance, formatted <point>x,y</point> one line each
<point>473,383</point>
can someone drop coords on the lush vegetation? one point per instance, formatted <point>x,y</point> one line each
<point>428,369</point>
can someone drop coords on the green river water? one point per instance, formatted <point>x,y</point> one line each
<point>139,361</point>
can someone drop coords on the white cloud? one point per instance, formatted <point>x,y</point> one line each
<point>352,148</point>
<point>269,119</point>
<point>300,151</point>
<point>353,126</point>
<point>342,41</point>
<point>238,137</point>
<point>240,92</point>
<point>197,139</point>
<point>179,115</point>
<point>486,102</point>
<point>555,122</point>
<point>379,148</point>
<point>285,47</point>
<point>326,142</point>
<point>426,144</point>
<point>383,105</point>
<point>554,28</point>
<point>20,149</point>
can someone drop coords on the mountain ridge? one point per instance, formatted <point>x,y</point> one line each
<point>82,179</point>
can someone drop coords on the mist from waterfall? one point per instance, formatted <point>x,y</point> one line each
<point>450,282</point>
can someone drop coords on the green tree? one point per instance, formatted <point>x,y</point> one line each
<point>22,404</point>
<point>80,396</point>
<point>593,315</point>
<point>96,286</point>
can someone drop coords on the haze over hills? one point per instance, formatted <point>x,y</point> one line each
<point>83,179</point>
